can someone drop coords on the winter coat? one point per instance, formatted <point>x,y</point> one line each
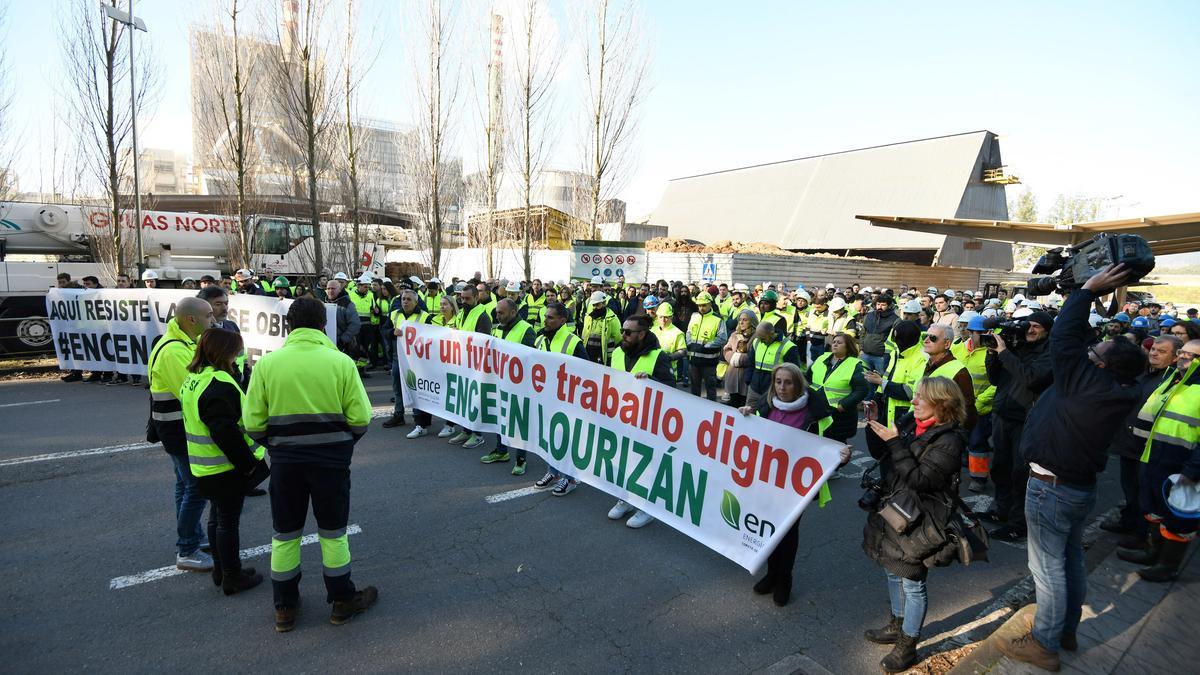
<point>929,465</point>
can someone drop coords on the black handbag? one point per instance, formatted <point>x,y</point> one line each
<point>256,476</point>
<point>972,537</point>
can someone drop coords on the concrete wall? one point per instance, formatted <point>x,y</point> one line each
<point>730,268</point>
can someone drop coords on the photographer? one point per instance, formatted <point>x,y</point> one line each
<point>1067,433</point>
<point>1019,364</point>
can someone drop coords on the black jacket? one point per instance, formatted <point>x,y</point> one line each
<point>1125,444</point>
<point>220,409</point>
<point>1020,374</point>
<point>662,365</point>
<point>929,466</point>
<point>875,329</point>
<point>1073,421</point>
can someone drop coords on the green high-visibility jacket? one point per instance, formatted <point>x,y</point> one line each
<point>204,455</point>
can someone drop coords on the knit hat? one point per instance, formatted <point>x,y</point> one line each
<point>1043,318</point>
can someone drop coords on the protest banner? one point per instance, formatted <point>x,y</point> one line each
<point>113,330</point>
<point>733,483</point>
<point>608,260</point>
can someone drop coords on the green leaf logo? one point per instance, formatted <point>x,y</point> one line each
<point>410,379</point>
<point>731,510</point>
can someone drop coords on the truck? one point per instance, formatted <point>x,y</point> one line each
<point>39,241</point>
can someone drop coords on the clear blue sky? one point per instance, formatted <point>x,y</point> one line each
<point>1095,98</point>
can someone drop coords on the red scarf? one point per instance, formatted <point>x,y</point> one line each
<point>926,425</point>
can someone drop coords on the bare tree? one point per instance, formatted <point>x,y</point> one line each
<point>228,72</point>
<point>355,66</point>
<point>307,98</point>
<point>536,61</point>
<point>7,151</point>
<point>615,67</point>
<point>437,83</point>
<point>97,69</point>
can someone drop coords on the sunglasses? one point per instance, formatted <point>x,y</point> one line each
<point>932,338</point>
<point>626,331</point>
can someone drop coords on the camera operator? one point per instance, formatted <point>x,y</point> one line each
<point>1021,369</point>
<point>1065,441</point>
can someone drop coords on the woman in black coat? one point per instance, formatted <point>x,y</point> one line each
<point>922,460</point>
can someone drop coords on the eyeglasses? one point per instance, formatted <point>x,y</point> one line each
<point>626,331</point>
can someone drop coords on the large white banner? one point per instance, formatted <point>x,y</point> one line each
<point>113,330</point>
<point>608,260</point>
<point>733,483</point>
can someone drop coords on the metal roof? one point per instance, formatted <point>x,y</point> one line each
<point>810,203</point>
<point>1179,233</point>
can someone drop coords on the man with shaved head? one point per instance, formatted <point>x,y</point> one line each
<point>168,368</point>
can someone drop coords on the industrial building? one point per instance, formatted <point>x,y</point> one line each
<point>809,204</point>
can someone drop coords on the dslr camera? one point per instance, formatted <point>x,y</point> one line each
<point>872,495</point>
<point>1012,332</point>
<point>1076,264</point>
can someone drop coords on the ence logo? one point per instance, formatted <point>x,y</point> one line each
<point>420,384</point>
<point>731,513</point>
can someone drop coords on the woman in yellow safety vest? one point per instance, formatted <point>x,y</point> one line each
<point>447,316</point>
<point>839,373</point>
<point>224,460</point>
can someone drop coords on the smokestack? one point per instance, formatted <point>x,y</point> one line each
<point>291,21</point>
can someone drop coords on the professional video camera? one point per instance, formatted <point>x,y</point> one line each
<point>1012,332</point>
<point>1081,262</point>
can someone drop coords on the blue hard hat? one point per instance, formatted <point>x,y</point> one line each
<point>1122,317</point>
<point>1167,322</point>
<point>1167,488</point>
<point>977,323</point>
<point>1141,322</point>
<point>650,302</point>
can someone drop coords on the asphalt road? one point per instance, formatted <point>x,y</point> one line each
<point>535,583</point>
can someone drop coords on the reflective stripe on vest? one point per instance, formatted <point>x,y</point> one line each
<point>564,342</point>
<point>515,334</point>
<point>362,303</point>
<point>905,370</point>
<point>644,364</point>
<point>1176,429</point>
<point>947,370</point>
<point>836,384</point>
<point>768,357</point>
<point>204,456</point>
<point>703,330</point>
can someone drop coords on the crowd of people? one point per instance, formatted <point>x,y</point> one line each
<point>1025,397</point>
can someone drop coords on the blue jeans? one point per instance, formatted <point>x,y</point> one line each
<point>909,602</point>
<point>189,507</point>
<point>1055,516</point>
<point>816,347</point>
<point>876,363</point>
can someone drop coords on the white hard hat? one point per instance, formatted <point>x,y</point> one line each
<point>837,305</point>
<point>741,287</point>
<point>598,297</point>
<point>243,274</point>
<point>598,280</point>
<point>931,289</point>
<point>365,278</point>
<point>829,286</point>
<point>967,316</point>
<point>416,280</point>
<point>434,280</point>
<point>149,274</point>
<point>911,307</point>
<point>948,292</point>
<point>1095,320</point>
<point>1018,297</point>
<point>1032,304</point>
<point>990,313</point>
<point>1022,313</point>
<point>341,276</point>
<point>803,294</point>
<point>868,289</point>
<point>513,287</point>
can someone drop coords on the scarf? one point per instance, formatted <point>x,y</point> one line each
<point>789,407</point>
<point>925,425</point>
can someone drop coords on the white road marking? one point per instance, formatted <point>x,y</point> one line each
<point>511,494</point>
<point>53,456</point>
<point>972,625</point>
<point>118,583</point>
<point>14,405</point>
<point>862,461</point>
<point>376,413</point>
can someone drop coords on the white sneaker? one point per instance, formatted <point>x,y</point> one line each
<point>417,432</point>
<point>447,431</point>
<point>620,510</point>
<point>473,441</point>
<point>458,438</point>
<point>196,562</point>
<point>639,519</point>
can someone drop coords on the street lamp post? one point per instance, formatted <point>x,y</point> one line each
<point>133,23</point>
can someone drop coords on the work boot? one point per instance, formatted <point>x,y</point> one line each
<point>344,610</point>
<point>394,421</point>
<point>71,377</point>
<point>1027,649</point>
<point>1116,526</point>
<point>243,580</point>
<point>888,635</point>
<point>903,656</point>
<point>1143,556</point>
<point>1136,541</point>
<point>766,583</point>
<point>285,618</point>
<point>1169,559</point>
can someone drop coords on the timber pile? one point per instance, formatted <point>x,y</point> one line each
<point>670,245</point>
